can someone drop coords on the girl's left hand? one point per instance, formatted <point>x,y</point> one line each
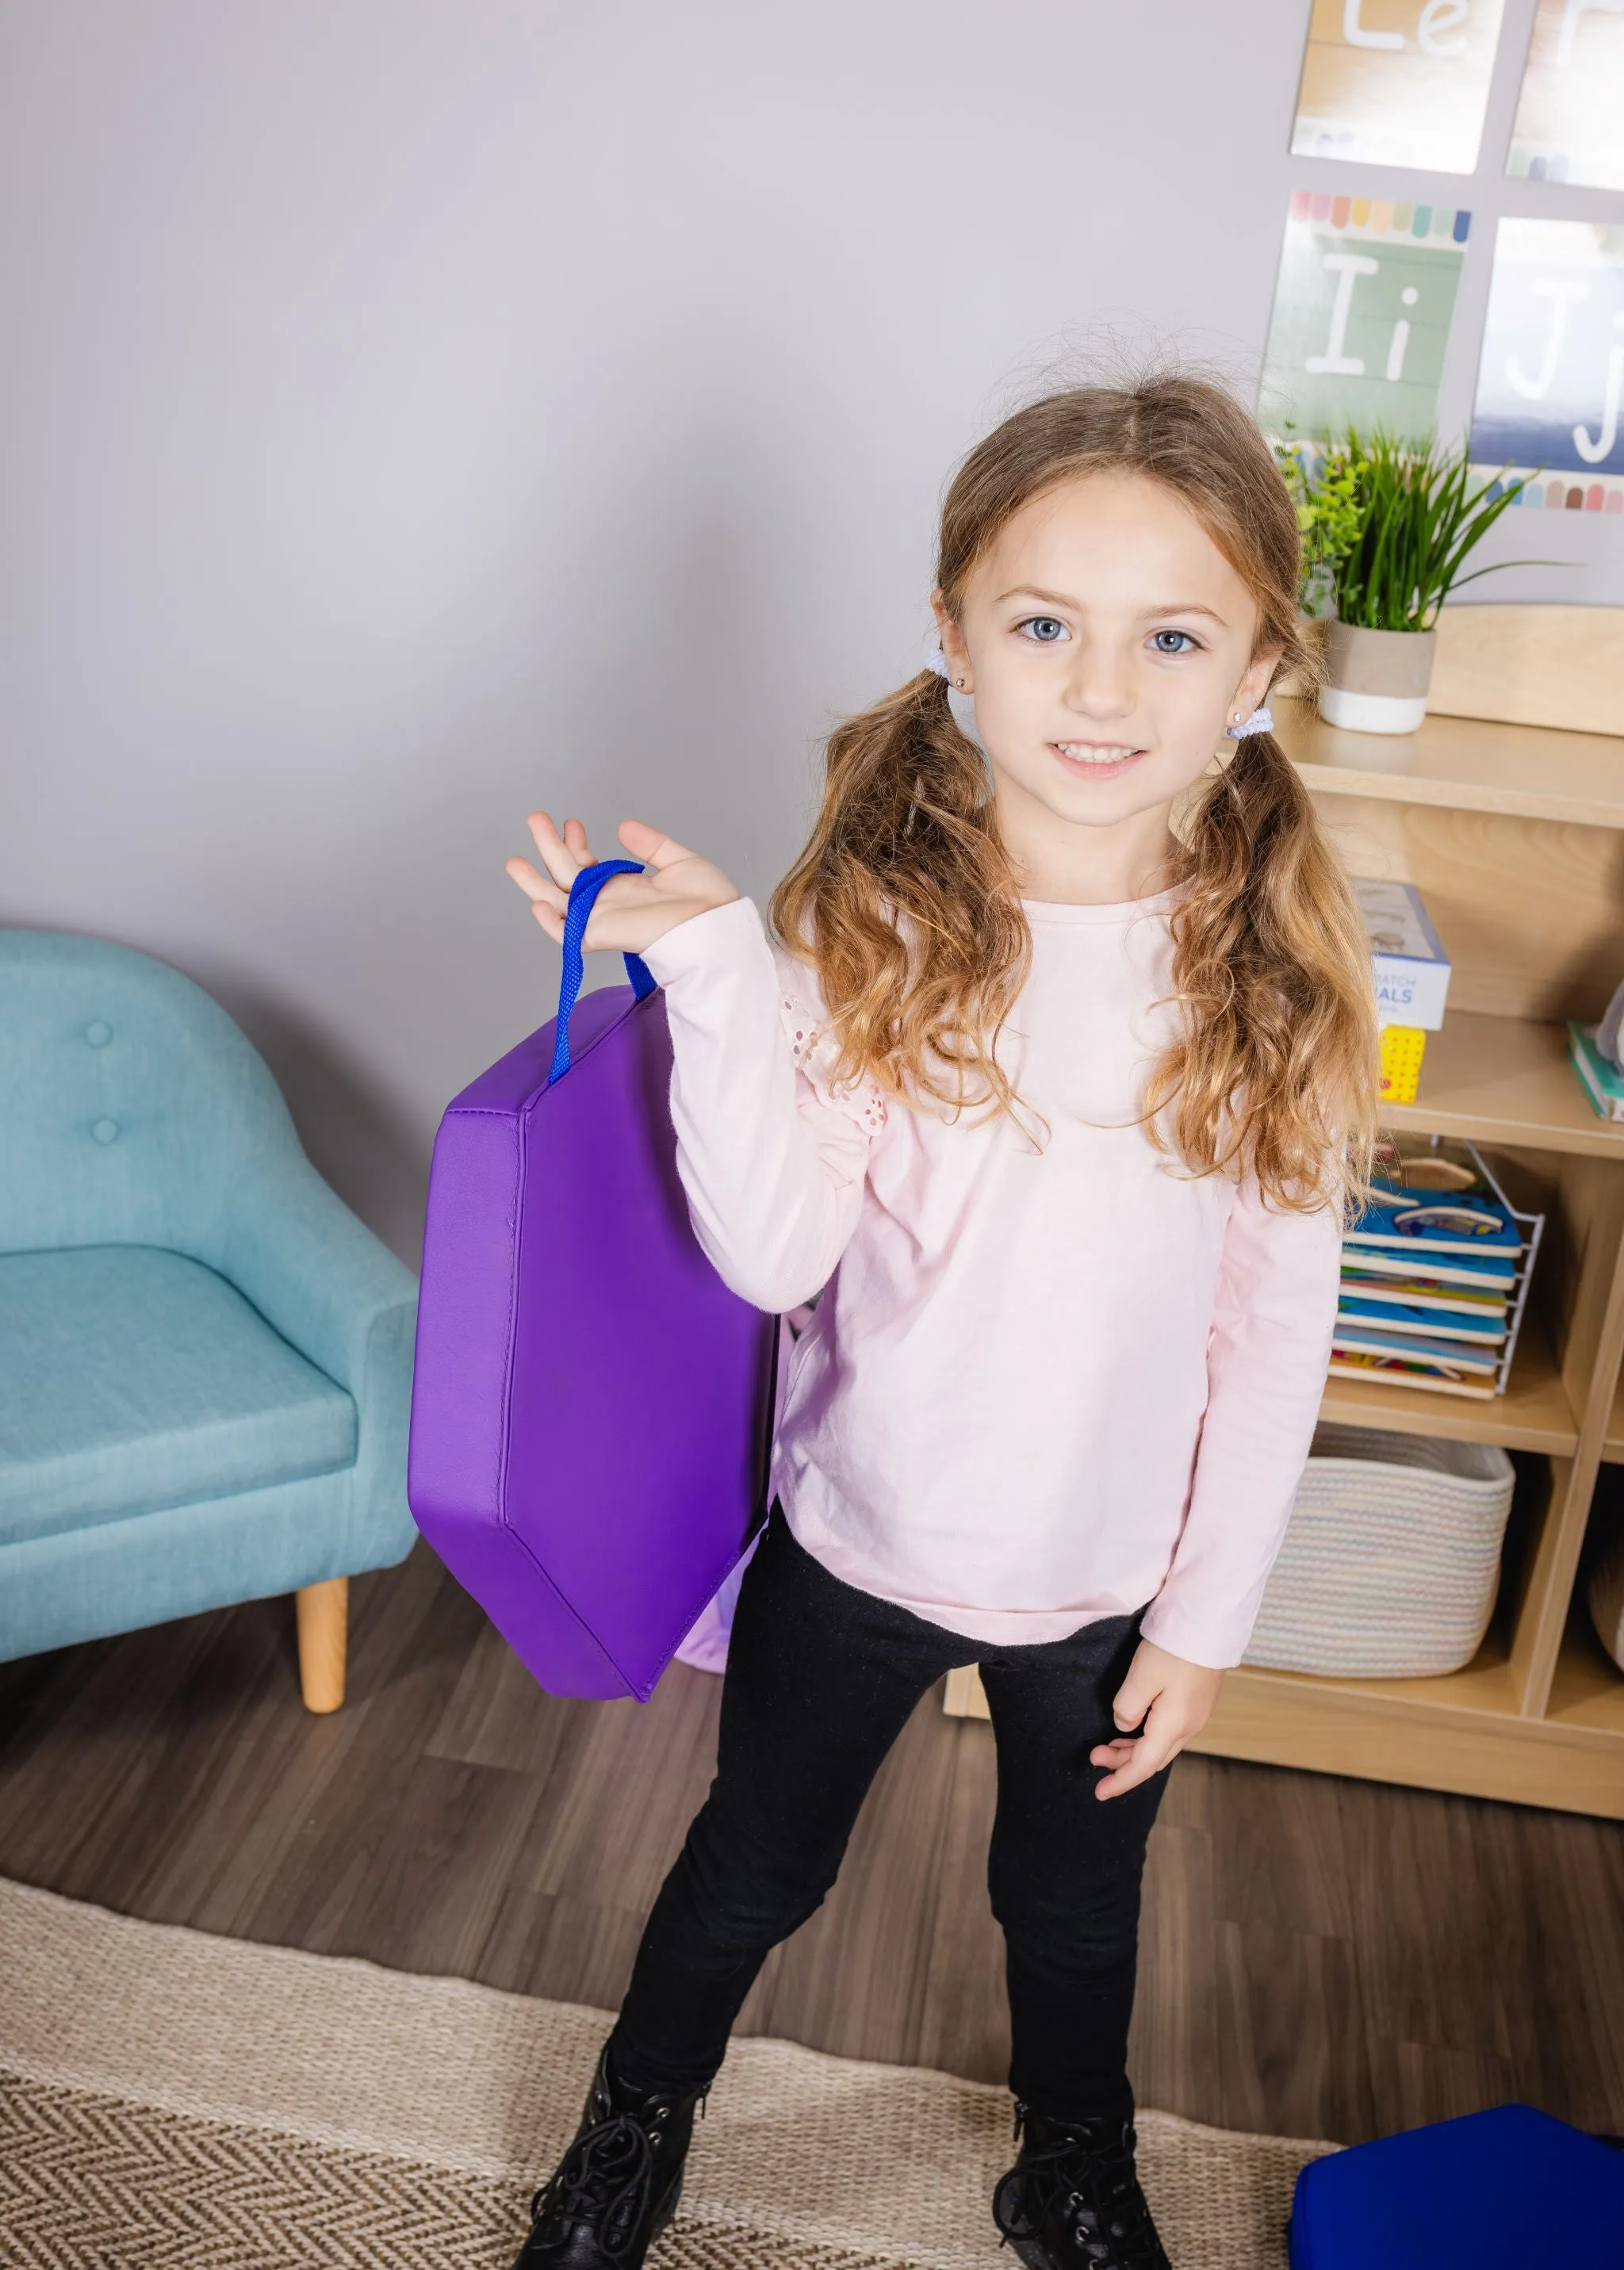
<point>1174,1698</point>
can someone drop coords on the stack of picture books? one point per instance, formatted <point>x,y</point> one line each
<point>1434,1275</point>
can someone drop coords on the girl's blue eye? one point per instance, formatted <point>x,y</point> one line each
<point>1045,629</point>
<point>1187,647</point>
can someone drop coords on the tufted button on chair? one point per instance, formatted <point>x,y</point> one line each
<point>205,1360</point>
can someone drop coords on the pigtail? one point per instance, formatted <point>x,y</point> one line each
<point>1275,1072</point>
<point>905,900</point>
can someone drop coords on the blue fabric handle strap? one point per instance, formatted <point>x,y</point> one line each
<point>583,894</point>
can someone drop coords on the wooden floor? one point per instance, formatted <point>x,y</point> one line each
<point>1320,1957</point>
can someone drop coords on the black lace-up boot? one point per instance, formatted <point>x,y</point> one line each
<point>618,2186</point>
<point>1072,2199</point>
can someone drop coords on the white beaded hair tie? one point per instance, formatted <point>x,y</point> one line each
<point>1261,721</point>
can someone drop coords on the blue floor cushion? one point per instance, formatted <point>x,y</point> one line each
<point>136,1378</point>
<point>1509,2189</point>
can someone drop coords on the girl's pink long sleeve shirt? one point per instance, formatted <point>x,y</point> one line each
<point>1044,1384</point>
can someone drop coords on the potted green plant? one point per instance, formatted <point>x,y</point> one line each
<point>1326,493</point>
<point>1419,516</point>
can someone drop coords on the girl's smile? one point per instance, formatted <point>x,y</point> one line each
<point>1096,760</point>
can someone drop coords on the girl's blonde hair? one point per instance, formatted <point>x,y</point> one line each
<point>905,899</point>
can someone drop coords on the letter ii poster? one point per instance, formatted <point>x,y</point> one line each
<point>1362,307</point>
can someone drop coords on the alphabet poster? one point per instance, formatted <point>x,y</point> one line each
<point>1551,381</point>
<point>1361,316</point>
<point>1571,113</point>
<point>1397,82</point>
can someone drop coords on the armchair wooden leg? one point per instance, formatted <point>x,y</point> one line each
<point>323,1612</point>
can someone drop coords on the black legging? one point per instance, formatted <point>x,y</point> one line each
<point>820,1680</point>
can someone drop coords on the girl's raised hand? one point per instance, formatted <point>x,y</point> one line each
<point>1173,1698</point>
<point>630,911</point>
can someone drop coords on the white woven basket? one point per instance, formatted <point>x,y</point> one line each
<point>1607,1596</point>
<point>1391,1562</point>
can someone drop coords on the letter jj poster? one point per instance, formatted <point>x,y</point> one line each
<point>1551,378</point>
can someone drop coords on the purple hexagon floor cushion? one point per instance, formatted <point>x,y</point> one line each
<point>591,1407</point>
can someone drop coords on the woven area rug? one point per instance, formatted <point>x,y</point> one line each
<point>186,2103</point>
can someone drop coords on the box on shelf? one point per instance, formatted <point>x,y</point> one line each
<point>1434,1273</point>
<point>1411,969</point>
<point>1602,1081</point>
<point>1391,1558</point>
<point>1412,980</point>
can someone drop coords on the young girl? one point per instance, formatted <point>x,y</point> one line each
<point>1058,1078</point>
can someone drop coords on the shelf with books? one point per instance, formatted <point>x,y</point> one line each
<point>1534,1413</point>
<point>1463,764</point>
<point>1435,1274</point>
<point>1510,833</point>
<point>1506,1081</point>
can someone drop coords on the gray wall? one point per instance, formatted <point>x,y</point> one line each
<point>415,410</point>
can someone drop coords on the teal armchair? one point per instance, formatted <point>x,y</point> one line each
<point>206,1359</point>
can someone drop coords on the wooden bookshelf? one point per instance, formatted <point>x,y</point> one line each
<point>1514,833</point>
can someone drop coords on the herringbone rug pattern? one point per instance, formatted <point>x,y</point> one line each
<point>170,2101</point>
<point>94,2182</point>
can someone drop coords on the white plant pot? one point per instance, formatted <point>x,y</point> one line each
<point>1376,681</point>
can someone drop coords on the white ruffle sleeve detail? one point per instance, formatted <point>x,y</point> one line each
<point>816,1050</point>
